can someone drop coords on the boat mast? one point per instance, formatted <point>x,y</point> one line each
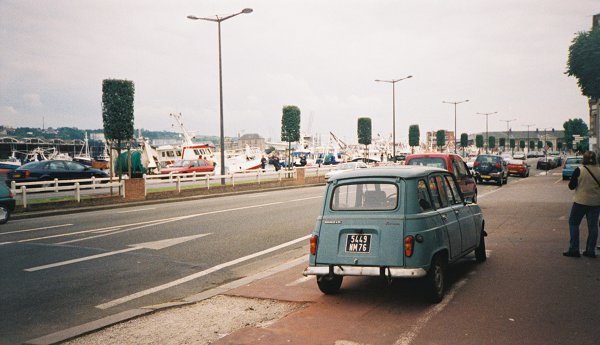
<point>186,136</point>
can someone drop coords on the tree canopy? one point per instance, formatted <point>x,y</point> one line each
<point>492,142</point>
<point>413,135</point>
<point>440,137</point>
<point>290,123</point>
<point>364,130</point>
<point>479,141</point>
<point>117,109</point>
<point>464,140</point>
<point>576,127</point>
<point>584,54</point>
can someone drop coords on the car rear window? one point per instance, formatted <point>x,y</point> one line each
<point>429,161</point>
<point>487,159</point>
<point>365,197</point>
<point>574,161</point>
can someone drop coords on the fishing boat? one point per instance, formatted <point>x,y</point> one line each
<point>84,155</point>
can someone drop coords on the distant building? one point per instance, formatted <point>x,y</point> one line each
<point>252,140</point>
<point>431,139</point>
<point>594,104</point>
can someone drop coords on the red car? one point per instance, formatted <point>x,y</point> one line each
<point>454,164</point>
<point>189,166</point>
<point>517,167</point>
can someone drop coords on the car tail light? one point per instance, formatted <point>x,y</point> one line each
<point>313,244</point>
<point>27,173</point>
<point>498,165</point>
<point>409,243</point>
<point>475,164</point>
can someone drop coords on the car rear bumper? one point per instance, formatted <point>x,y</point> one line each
<point>392,272</point>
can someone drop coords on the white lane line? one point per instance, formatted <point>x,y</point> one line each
<point>138,210</point>
<point>156,245</point>
<point>35,229</point>
<point>488,193</point>
<point>408,337</point>
<point>300,281</point>
<point>180,281</point>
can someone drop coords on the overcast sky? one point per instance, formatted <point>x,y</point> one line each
<point>507,56</point>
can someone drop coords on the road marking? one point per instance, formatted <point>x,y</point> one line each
<point>408,337</point>
<point>36,229</point>
<point>300,281</point>
<point>191,277</point>
<point>138,210</point>
<point>488,193</point>
<point>156,245</point>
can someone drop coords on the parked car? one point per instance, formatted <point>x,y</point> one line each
<point>189,166</point>
<point>344,167</point>
<point>7,202</point>
<point>517,167</point>
<point>454,164</point>
<point>49,170</point>
<point>491,168</point>
<point>546,163</point>
<point>519,155</point>
<point>394,222</point>
<point>571,163</point>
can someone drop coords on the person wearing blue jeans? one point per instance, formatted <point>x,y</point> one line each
<point>586,202</point>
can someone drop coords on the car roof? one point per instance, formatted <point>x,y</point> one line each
<point>435,155</point>
<point>403,171</point>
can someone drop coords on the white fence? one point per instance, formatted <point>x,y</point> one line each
<point>191,179</point>
<point>56,185</point>
<point>206,180</point>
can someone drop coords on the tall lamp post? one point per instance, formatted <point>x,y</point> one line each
<point>527,146</point>
<point>218,19</point>
<point>486,143</point>
<point>455,103</point>
<point>393,82</point>
<point>507,130</point>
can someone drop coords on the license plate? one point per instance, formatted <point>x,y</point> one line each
<point>486,176</point>
<point>358,243</point>
<point>513,171</point>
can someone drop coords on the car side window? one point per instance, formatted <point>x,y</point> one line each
<point>423,196</point>
<point>74,166</point>
<point>435,194</point>
<point>55,165</point>
<point>455,191</point>
<point>445,193</point>
<point>462,168</point>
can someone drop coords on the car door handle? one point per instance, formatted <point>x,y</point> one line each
<point>444,217</point>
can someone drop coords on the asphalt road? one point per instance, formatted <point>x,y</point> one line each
<point>62,271</point>
<point>41,299</point>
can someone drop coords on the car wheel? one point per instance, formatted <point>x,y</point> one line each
<point>474,199</point>
<point>565,177</point>
<point>4,214</point>
<point>480,255</point>
<point>506,179</point>
<point>329,284</point>
<point>436,279</point>
<point>499,182</point>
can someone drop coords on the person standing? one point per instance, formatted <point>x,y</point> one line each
<point>586,202</point>
<point>263,163</point>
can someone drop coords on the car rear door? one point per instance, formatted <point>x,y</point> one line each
<point>441,200</point>
<point>362,223</point>
<point>468,230</point>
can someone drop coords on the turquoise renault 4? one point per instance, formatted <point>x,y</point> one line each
<point>394,222</point>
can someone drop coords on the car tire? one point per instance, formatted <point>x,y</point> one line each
<point>4,214</point>
<point>506,179</point>
<point>436,279</point>
<point>474,198</point>
<point>329,284</point>
<point>499,182</point>
<point>480,254</point>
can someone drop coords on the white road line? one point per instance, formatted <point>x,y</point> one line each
<point>138,210</point>
<point>408,337</point>
<point>300,281</point>
<point>191,277</point>
<point>35,229</point>
<point>156,245</point>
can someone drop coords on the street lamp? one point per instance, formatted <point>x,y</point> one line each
<point>455,103</point>
<point>486,128</point>
<point>507,135</point>
<point>527,154</point>
<point>393,82</point>
<point>219,19</point>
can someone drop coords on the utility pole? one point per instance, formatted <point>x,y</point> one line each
<point>507,135</point>
<point>455,103</point>
<point>486,128</point>
<point>527,146</point>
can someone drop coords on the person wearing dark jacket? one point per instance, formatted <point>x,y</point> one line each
<point>586,202</point>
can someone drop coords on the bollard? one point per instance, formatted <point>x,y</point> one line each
<point>77,192</point>
<point>24,196</point>
<point>93,182</point>
<point>178,183</point>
